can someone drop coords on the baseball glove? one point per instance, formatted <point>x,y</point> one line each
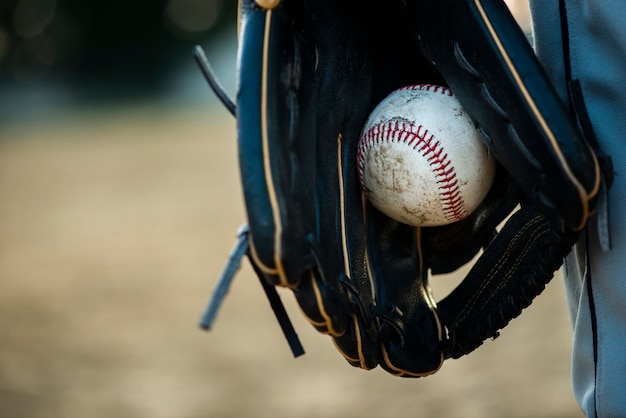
<point>309,74</point>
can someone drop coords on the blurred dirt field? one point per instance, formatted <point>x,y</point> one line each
<point>113,230</point>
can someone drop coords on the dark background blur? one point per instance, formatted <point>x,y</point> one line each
<point>76,52</point>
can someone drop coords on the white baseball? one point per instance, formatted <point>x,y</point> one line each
<point>421,160</point>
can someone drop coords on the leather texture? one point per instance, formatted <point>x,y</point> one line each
<point>309,74</point>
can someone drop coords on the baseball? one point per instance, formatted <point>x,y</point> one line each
<point>421,160</point>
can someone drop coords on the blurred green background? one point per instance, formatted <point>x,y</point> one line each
<point>60,54</point>
<point>119,204</point>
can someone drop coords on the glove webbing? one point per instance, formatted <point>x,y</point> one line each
<point>515,268</point>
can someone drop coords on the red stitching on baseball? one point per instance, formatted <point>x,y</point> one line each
<point>418,138</point>
<point>427,87</point>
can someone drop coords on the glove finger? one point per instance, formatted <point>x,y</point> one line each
<point>276,121</point>
<point>410,329</point>
<point>487,61</point>
<point>298,123</point>
<point>513,270</point>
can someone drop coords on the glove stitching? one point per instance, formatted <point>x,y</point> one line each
<point>469,306</point>
<point>510,272</point>
<point>511,306</point>
<point>356,302</point>
<point>392,319</point>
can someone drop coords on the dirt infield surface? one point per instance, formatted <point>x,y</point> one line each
<point>113,230</point>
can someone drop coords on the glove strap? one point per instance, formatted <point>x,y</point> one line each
<point>223,285</point>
